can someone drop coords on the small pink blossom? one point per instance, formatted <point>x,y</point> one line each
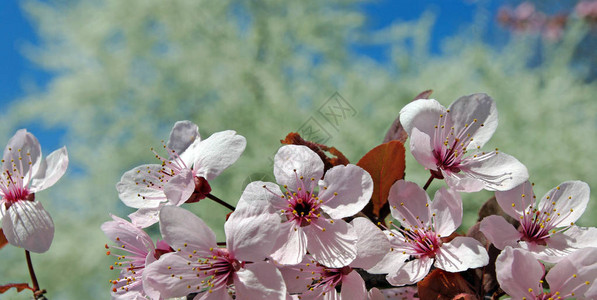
<point>200,266</point>
<point>417,245</point>
<point>24,221</point>
<point>448,143</point>
<point>311,209</point>
<point>140,253</point>
<point>181,177</point>
<point>521,275</point>
<point>546,226</point>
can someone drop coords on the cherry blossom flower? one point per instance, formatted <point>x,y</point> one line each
<point>521,275</point>
<point>402,293</point>
<point>442,141</point>
<point>141,252</point>
<point>417,245</point>
<point>314,281</point>
<point>181,177</point>
<point>25,222</point>
<point>547,226</point>
<point>312,219</point>
<point>200,266</point>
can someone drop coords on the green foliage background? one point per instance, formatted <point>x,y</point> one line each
<point>125,71</point>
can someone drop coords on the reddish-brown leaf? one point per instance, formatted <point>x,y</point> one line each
<point>386,165</point>
<point>3,241</point>
<point>396,131</point>
<point>440,284</point>
<point>18,286</point>
<point>294,138</point>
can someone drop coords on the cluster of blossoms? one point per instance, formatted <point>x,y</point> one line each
<point>309,235</point>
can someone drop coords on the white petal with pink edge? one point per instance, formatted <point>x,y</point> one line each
<point>460,254</point>
<point>28,225</point>
<point>123,232</point>
<point>218,152</point>
<point>348,190</point>
<point>293,161</point>
<point>332,243</point>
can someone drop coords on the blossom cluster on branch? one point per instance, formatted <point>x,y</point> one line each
<point>322,229</point>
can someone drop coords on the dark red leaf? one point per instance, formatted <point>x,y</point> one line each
<point>294,138</point>
<point>386,164</point>
<point>3,241</point>
<point>18,286</point>
<point>396,131</point>
<point>440,284</point>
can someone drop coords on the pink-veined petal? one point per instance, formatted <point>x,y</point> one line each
<point>470,107</point>
<point>422,114</point>
<point>218,152</point>
<point>411,272</point>
<point>260,280</point>
<point>181,229</point>
<point>28,225</point>
<point>372,243</point>
<point>50,170</point>
<point>563,243</point>
<point>262,197</point>
<point>460,254</point>
<point>392,261</point>
<point>141,187</point>
<point>22,148</point>
<point>462,182</point>
<point>572,273</point>
<point>446,208</point>
<point>123,232</point>
<point>353,287</point>
<point>517,272</point>
<point>349,189</point>
<point>331,244</point>
<point>408,203</point>
<point>499,232</point>
<point>570,198</point>
<point>500,172</point>
<point>300,158</point>
<point>291,245</point>
<point>145,217</point>
<point>422,150</point>
<point>252,234</point>
<point>158,275</point>
<point>183,134</point>
<point>517,200</point>
<point>180,187</point>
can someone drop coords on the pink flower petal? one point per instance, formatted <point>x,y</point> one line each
<point>260,280</point>
<point>251,234</point>
<point>517,272</point>
<point>462,182</point>
<point>218,152</point>
<point>21,143</point>
<point>28,225</point>
<point>408,203</point>
<point>158,275</point>
<point>263,197</point>
<point>499,232</point>
<point>517,200</point>
<point>571,199</point>
<point>181,229</point>
<point>183,134</point>
<point>300,158</point>
<point>353,287</point>
<point>140,187</point>
<point>372,244</point>
<point>500,172</point>
<point>145,217</point>
<point>460,254</point>
<point>126,233</point>
<point>292,245</point>
<point>331,244</point>
<point>349,189</point>
<point>392,261</point>
<point>411,272</point>
<point>421,114</point>
<point>422,150</point>
<point>447,210</point>
<point>50,170</point>
<point>476,106</point>
<point>180,187</point>
<point>572,273</point>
